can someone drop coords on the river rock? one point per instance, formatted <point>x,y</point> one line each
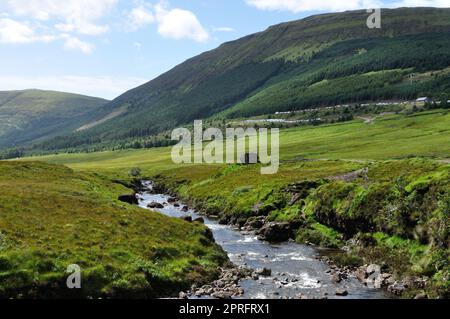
<point>155,205</point>
<point>254,223</point>
<point>265,272</point>
<point>397,288</point>
<point>361,274</point>
<point>200,292</point>
<point>183,295</point>
<point>199,220</point>
<point>129,199</point>
<point>187,218</point>
<point>336,277</point>
<point>224,220</point>
<point>421,296</point>
<point>172,200</point>
<point>222,295</point>
<point>185,209</point>
<point>261,209</point>
<point>373,269</point>
<point>275,232</point>
<point>341,292</point>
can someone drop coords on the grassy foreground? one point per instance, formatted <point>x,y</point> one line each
<point>52,217</point>
<point>382,189</point>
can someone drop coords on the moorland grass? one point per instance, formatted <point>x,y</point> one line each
<point>399,205</point>
<point>52,217</point>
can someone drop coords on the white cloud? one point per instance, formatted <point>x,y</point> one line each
<point>139,17</point>
<point>80,16</point>
<point>224,29</point>
<point>171,23</point>
<point>179,24</point>
<point>102,86</point>
<point>73,43</point>
<point>14,32</point>
<point>297,6</point>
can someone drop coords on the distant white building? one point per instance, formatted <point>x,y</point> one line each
<point>424,100</point>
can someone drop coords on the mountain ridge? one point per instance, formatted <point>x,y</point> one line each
<point>274,70</point>
<point>30,115</point>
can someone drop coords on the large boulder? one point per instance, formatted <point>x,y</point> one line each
<point>155,205</point>
<point>187,218</point>
<point>276,232</point>
<point>129,199</point>
<point>199,220</point>
<point>265,272</point>
<point>172,200</point>
<point>254,223</point>
<point>261,209</point>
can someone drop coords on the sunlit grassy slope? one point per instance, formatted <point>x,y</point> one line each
<point>32,115</point>
<point>52,217</point>
<point>425,134</point>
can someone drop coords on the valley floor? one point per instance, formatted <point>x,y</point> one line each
<point>381,190</point>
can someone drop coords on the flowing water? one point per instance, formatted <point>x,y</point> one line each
<point>295,269</point>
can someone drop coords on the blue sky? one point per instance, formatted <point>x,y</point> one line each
<point>105,47</point>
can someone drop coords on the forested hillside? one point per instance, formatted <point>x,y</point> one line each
<point>321,60</point>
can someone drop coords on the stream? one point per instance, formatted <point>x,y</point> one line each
<point>295,268</point>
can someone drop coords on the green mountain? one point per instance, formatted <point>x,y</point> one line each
<point>33,115</point>
<point>321,60</point>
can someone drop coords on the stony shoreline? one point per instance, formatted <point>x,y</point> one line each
<point>227,285</point>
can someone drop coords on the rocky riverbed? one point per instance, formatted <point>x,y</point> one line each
<point>263,270</point>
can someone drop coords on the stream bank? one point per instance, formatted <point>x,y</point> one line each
<point>285,270</point>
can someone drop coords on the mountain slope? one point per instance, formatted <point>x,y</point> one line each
<point>31,115</point>
<point>321,60</point>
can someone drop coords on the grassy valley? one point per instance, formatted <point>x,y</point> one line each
<point>352,181</point>
<point>364,167</point>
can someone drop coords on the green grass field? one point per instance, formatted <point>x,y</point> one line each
<point>400,203</point>
<point>52,217</point>
<point>425,134</point>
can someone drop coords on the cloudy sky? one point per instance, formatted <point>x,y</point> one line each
<point>105,47</point>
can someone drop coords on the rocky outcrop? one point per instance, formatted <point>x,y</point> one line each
<point>129,199</point>
<point>276,232</point>
<point>254,223</point>
<point>199,220</point>
<point>373,277</point>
